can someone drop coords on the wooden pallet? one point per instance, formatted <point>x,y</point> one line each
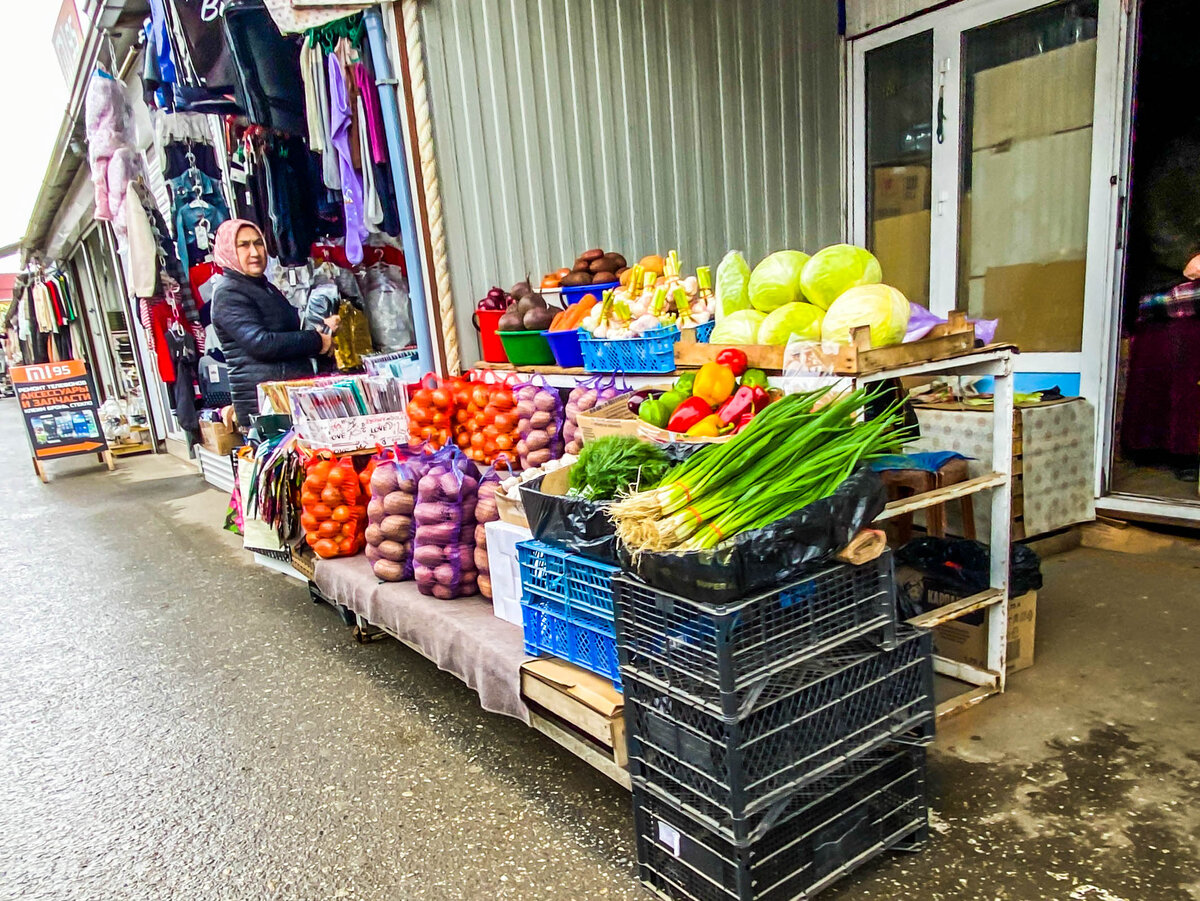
<point>580,711</point>
<point>951,339</point>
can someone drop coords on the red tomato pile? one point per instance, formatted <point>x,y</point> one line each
<point>334,514</point>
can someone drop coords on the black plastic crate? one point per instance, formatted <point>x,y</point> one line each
<point>874,804</point>
<point>725,656</point>
<point>828,710</point>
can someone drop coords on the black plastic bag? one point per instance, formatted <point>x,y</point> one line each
<point>577,525</point>
<point>779,553</point>
<point>962,565</point>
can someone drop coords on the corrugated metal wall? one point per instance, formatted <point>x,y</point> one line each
<point>635,125</point>
<point>867,15</point>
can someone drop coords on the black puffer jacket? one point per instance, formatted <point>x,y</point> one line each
<point>261,338</point>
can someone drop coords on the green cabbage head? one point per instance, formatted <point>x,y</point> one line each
<point>740,327</point>
<point>881,307</point>
<point>733,285</point>
<point>799,320</point>
<point>836,269</point>
<point>776,280</point>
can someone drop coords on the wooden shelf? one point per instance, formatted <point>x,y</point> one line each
<point>942,495</point>
<point>958,608</point>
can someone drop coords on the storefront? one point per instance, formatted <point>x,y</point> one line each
<point>1025,149</point>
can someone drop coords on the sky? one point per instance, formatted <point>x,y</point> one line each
<point>33,97</point>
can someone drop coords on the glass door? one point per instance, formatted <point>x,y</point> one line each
<point>1026,116</point>
<point>971,138</point>
<point>899,158</point>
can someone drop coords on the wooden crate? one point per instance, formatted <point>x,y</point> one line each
<point>951,339</point>
<point>585,702</point>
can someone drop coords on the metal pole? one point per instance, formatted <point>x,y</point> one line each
<point>386,81</point>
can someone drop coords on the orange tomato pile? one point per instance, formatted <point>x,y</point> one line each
<point>485,422</point>
<point>431,415</point>
<point>334,516</point>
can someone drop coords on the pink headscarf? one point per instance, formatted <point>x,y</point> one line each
<point>225,244</point>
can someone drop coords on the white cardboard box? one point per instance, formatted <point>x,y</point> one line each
<point>502,540</point>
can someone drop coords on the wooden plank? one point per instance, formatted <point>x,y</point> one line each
<point>950,339</point>
<point>930,350</point>
<point>957,609</point>
<point>580,749</point>
<point>573,711</point>
<point>966,700</point>
<point>942,495</point>
<point>964,672</point>
<point>767,357</point>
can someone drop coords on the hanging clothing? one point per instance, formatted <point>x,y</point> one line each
<point>293,21</point>
<point>199,209</point>
<point>372,114</point>
<point>108,123</point>
<point>372,205</point>
<point>142,253</point>
<point>269,87</point>
<point>210,63</point>
<point>352,193</point>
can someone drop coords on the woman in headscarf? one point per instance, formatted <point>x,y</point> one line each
<point>259,330</point>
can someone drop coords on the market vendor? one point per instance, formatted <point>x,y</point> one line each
<point>259,330</point>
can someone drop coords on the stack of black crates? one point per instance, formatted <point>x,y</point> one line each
<point>775,742</point>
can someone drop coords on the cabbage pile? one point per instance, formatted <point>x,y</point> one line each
<point>792,296</point>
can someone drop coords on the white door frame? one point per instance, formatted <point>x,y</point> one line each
<point>947,25</point>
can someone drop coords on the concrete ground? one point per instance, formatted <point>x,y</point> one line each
<point>177,722</point>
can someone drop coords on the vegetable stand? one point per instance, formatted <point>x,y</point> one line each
<point>996,363</point>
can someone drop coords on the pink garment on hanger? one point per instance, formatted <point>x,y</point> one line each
<point>370,97</point>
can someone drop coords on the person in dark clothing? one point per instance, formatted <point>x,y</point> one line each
<point>259,330</point>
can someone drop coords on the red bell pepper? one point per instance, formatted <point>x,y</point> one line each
<point>743,421</point>
<point>733,358</point>
<point>762,399</point>
<point>741,402</point>
<point>688,413</point>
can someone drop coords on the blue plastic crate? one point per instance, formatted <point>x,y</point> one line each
<point>584,585</point>
<point>652,353</point>
<point>547,632</point>
<point>567,607</point>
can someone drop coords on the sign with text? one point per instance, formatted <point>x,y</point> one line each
<point>68,39</point>
<point>58,401</point>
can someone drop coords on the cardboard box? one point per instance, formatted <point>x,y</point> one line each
<point>586,701</point>
<point>1035,96</point>
<point>1040,307</point>
<point>900,190</point>
<point>219,438</point>
<point>965,639</point>
<point>901,244</point>
<point>1029,202</point>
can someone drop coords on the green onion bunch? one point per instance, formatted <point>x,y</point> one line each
<point>796,451</point>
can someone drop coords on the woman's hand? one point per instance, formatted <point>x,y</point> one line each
<point>333,323</point>
<point>326,343</point>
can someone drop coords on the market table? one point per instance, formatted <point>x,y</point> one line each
<point>462,637</point>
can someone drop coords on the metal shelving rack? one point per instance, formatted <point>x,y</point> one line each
<point>996,363</point>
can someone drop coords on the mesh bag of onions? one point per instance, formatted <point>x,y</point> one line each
<point>585,397</point>
<point>444,540</point>
<point>539,423</point>
<point>485,512</point>
<point>390,514</point>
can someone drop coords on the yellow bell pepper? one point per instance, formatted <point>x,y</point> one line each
<point>715,383</point>
<point>708,427</point>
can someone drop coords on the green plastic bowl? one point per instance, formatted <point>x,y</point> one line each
<point>527,348</point>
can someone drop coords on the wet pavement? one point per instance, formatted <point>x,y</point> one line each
<point>178,722</point>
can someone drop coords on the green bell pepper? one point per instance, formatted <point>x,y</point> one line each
<point>655,412</point>
<point>684,384</point>
<point>755,378</point>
